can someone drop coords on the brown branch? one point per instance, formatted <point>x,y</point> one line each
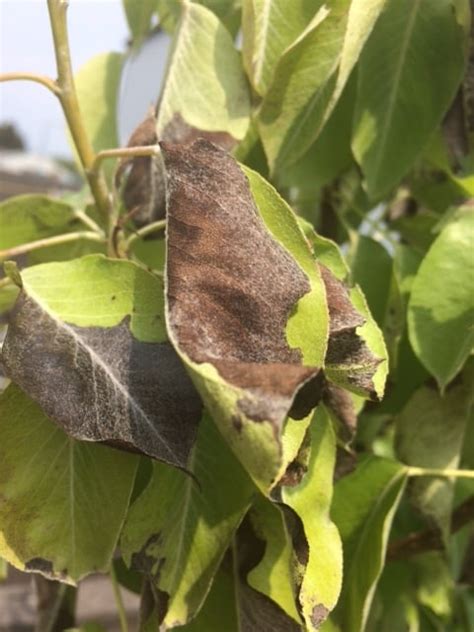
<point>430,539</point>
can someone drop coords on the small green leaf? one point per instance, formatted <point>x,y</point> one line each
<point>325,251</point>
<point>406,82</point>
<point>311,500</point>
<point>139,14</point>
<point>268,28</point>
<point>441,308</point>
<point>97,86</point>
<point>63,501</point>
<point>430,431</point>
<point>205,93</point>
<point>98,361</point>
<point>179,528</point>
<point>363,509</point>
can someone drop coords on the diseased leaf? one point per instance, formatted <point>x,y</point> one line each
<point>63,501</point>
<point>406,82</point>
<point>441,307</point>
<point>311,500</point>
<point>356,358</point>
<point>268,28</point>
<point>363,509</point>
<point>205,93</point>
<point>231,289</point>
<point>139,14</point>
<point>311,77</point>
<point>430,431</point>
<point>179,528</point>
<point>97,86</point>
<point>98,362</point>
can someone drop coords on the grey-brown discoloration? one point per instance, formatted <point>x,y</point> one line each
<point>178,131</point>
<point>144,189</point>
<point>231,287</point>
<point>45,568</point>
<point>101,384</point>
<point>345,347</point>
<point>319,615</point>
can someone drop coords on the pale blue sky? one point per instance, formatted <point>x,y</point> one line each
<point>95,26</point>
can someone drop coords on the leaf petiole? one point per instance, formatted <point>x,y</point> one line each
<point>154,227</point>
<point>45,81</point>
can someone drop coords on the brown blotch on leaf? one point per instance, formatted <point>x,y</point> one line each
<point>231,287</point>
<point>178,131</point>
<point>144,189</point>
<point>341,403</point>
<point>102,384</point>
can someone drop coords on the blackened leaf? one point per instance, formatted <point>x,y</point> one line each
<point>63,502</point>
<point>177,531</point>
<point>356,357</point>
<point>87,341</point>
<point>205,92</point>
<point>231,289</point>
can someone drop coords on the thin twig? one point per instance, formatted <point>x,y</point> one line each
<point>45,81</point>
<point>154,227</point>
<point>118,600</point>
<point>423,471</point>
<point>49,241</point>
<point>88,221</point>
<point>70,105</point>
<point>430,539</point>
<point>124,152</point>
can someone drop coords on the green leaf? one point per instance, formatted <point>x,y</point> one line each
<point>429,434</point>
<point>240,285</point>
<point>363,509</point>
<point>273,576</point>
<point>139,14</point>
<point>371,267</point>
<point>268,28</point>
<point>311,500</point>
<point>441,308</point>
<point>325,251</point>
<point>3,569</point>
<point>99,361</point>
<point>205,92</point>
<point>406,82</point>
<point>63,501</point>
<point>179,528</point>
<point>311,77</point>
<point>228,12</point>
<point>97,86</point>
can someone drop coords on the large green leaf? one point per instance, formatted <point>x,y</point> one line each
<point>268,28</point>
<point>204,93</point>
<point>441,307</point>
<point>311,500</point>
<point>97,361</point>
<point>363,509</point>
<point>139,14</point>
<point>406,82</point>
<point>231,288</point>
<point>97,86</point>
<point>311,76</point>
<point>430,432</point>
<point>63,502</point>
<point>179,528</point>
<point>228,12</point>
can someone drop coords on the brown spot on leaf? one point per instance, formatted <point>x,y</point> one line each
<point>319,615</point>
<point>102,384</point>
<point>46,568</point>
<point>231,287</point>
<point>341,403</point>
